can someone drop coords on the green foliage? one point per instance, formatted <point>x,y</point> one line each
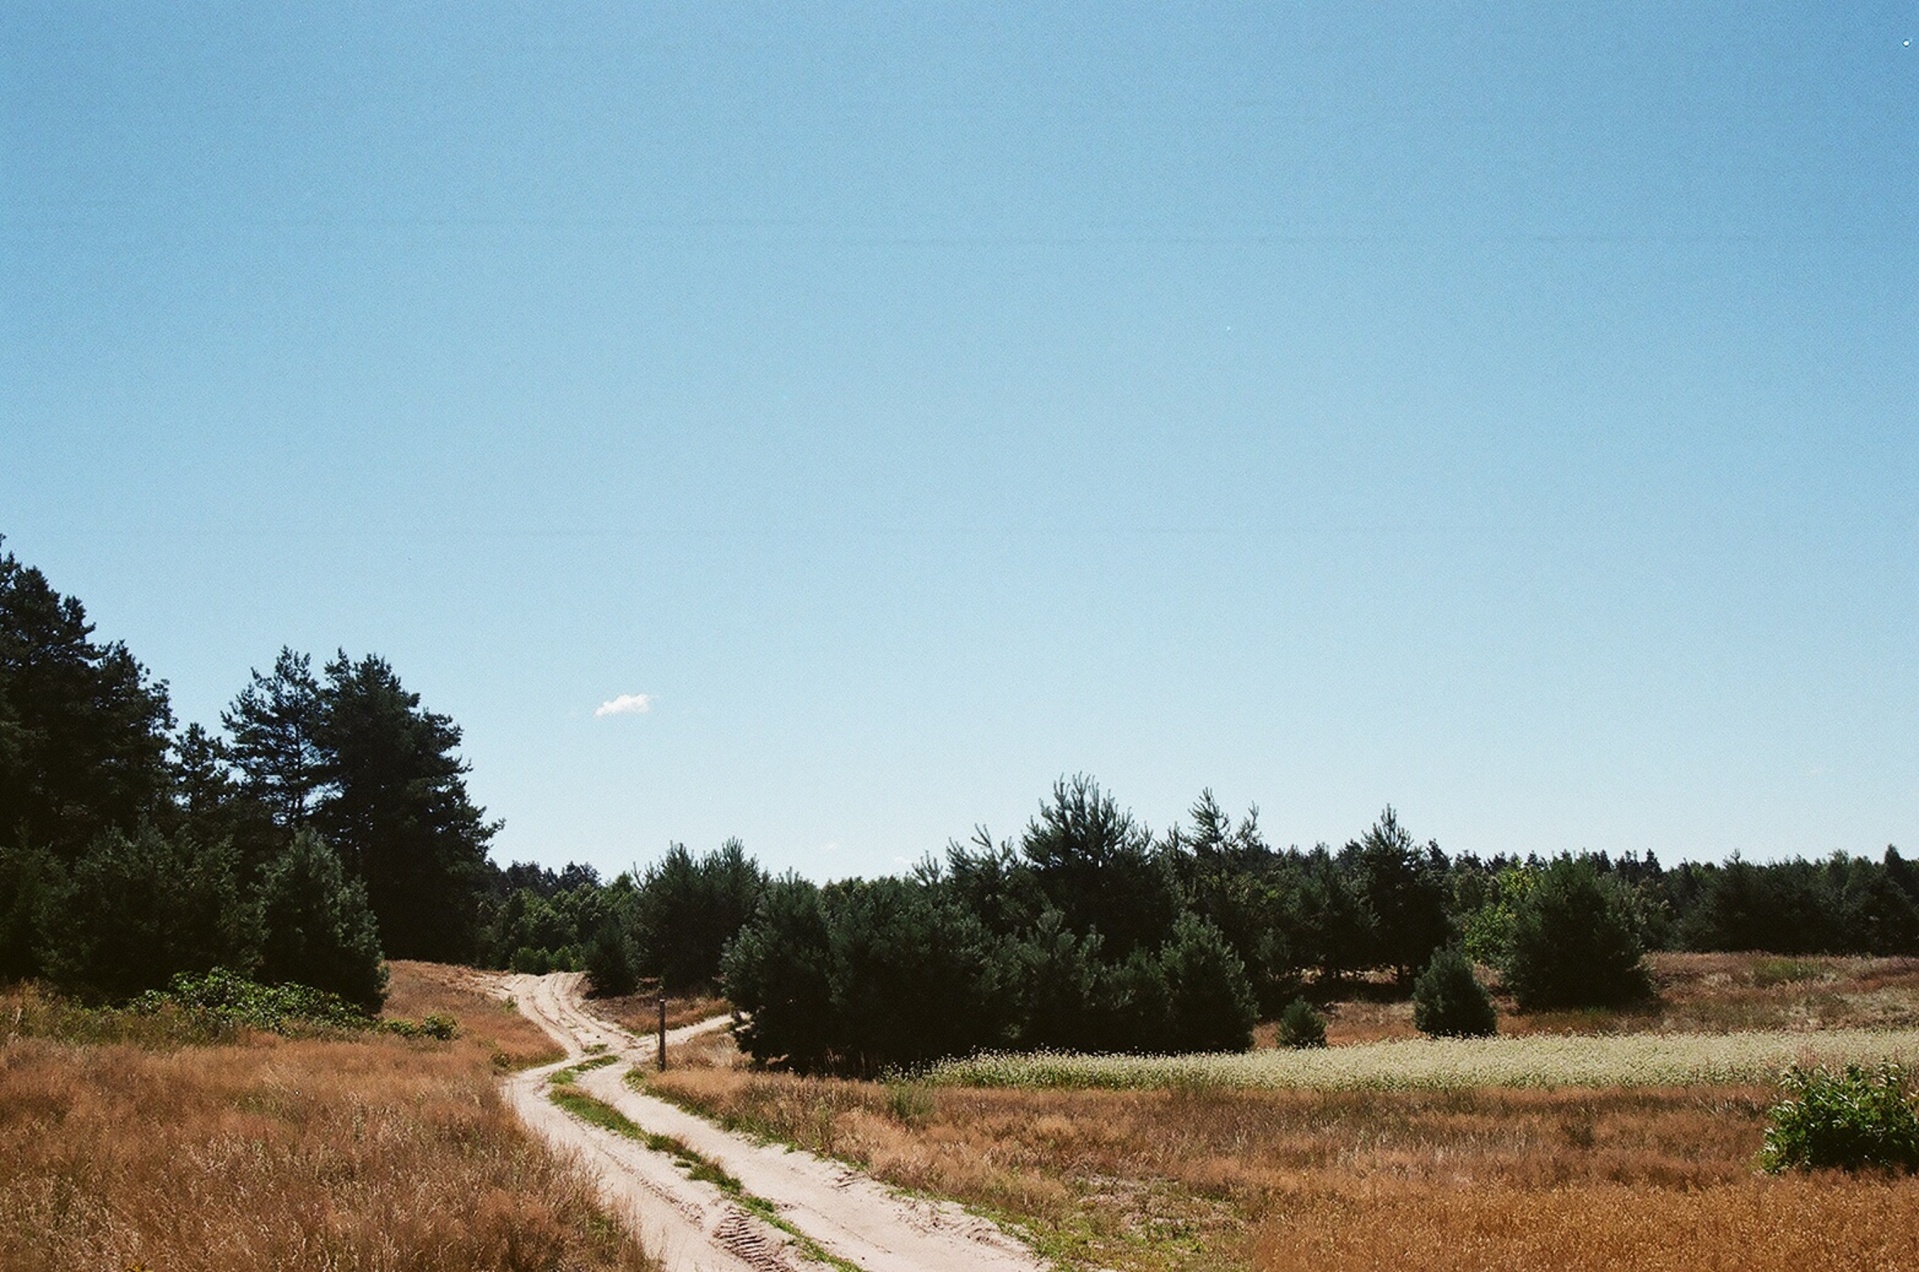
<point>1301,1026</point>
<point>395,806</point>
<point>1210,1004</point>
<point>1449,1001</point>
<point>319,929</point>
<point>912,977</point>
<point>609,963</point>
<point>861,977</point>
<point>1840,905</point>
<point>1574,941</point>
<point>1487,929</point>
<point>227,997</point>
<point>1851,1119</point>
<point>778,970</point>
<point>1058,982</point>
<point>83,729</point>
<point>135,909</point>
<point>433,1025</point>
<point>29,882</point>
<point>1097,866</point>
<point>1336,930</point>
<point>1232,879</point>
<point>686,909</point>
<point>1403,888</point>
<point>274,724</point>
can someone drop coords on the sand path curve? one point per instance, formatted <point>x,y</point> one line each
<point>693,1225</point>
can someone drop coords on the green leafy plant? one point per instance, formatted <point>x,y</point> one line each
<point>1853,1119</point>
<point>1301,1026</point>
<point>224,996</point>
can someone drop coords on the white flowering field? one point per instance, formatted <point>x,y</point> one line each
<point>1644,1059</point>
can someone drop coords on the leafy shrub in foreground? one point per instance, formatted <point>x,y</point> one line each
<point>233,999</point>
<point>1301,1026</point>
<point>1853,1119</point>
<point>1449,1001</point>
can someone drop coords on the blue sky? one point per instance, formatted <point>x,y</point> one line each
<point>1509,412</point>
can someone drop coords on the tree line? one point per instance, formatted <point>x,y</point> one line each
<point>324,826</point>
<point>1089,932</point>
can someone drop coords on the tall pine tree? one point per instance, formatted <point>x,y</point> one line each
<point>83,730</point>
<point>394,805</point>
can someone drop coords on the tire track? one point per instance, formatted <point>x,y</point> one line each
<point>848,1215</point>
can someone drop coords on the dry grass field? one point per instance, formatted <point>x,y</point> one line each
<point>148,1153</point>
<point>1466,1178</point>
<point>1696,993</point>
<point>640,1013</point>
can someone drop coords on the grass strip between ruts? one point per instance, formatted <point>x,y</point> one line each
<point>697,1166</point>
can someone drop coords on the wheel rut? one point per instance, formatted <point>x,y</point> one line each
<point>821,1206</point>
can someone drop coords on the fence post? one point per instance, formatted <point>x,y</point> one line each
<point>662,1056</point>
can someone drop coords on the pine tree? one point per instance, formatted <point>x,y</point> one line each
<point>275,725</point>
<point>318,928</point>
<point>1449,1001</point>
<point>394,804</point>
<point>83,730</point>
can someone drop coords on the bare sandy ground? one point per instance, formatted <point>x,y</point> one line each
<point>693,1225</point>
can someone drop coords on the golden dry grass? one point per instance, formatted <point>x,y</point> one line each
<point>1411,1180</point>
<point>512,1041</point>
<point>362,1152</point>
<point>639,1013</point>
<point>1770,1225</point>
<point>1696,993</point>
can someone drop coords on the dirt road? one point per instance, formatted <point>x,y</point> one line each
<point>694,1225</point>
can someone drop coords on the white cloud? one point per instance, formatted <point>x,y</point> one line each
<point>625,704</point>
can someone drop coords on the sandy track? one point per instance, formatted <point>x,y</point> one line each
<point>849,1215</point>
<point>689,1225</point>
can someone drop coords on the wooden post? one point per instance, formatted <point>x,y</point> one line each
<point>662,1056</point>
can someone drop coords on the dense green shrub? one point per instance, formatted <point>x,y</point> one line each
<point>1574,940</point>
<point>1301,1026</point>
<point>912,978</point>
<point>1403,888</point>
<point>1099,868</point>
<point>1449,1001</point>
<point>230,998</point>
<point>685,909</point>
<point>1855,1119</point>
<point>1057,981</point>
<point>778,974</point>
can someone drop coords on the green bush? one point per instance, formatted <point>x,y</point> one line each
<point>1449,1001</point>
<point>1855,1119</point>
<point>223,996</point>
<point>135,909</point>
<point>1301,1026</point>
